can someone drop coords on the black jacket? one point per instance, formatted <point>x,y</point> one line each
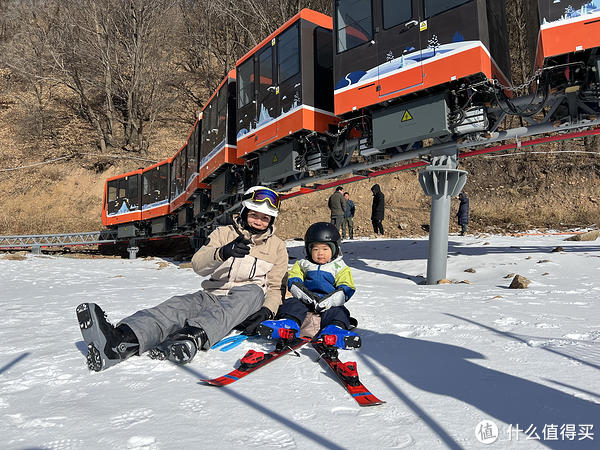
<point>463,210</point>
<point>378,210</point>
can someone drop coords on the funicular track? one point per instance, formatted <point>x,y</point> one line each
<point>38,241</point>
<point>359,171</point>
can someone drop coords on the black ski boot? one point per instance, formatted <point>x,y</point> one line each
<point>107,345</point>
<point>181,346</point>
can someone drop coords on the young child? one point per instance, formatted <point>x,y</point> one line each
<point>321,283</point>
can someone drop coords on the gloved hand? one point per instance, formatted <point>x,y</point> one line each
<point>238,248</point>
<point>249,325</point>
<point>336,298</point>
<point>302,293</point>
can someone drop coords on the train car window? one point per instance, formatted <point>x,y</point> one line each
<point>323,69</point>
<point>204,147</point>
<point>181,169</point>
<point>148,184</point>
<point>222,102</point>
<point>265,69</point>
<point>433,7</point>
<point>354,23</point>
<point>212,114</point>
<point>132,192</point>
<point>245,82</point>
<point>112,204</point>
<point>288,53</point>
<point>163,182</point>
<point>395,12</point>
<point>323,49</point>
<point>112,191</point>
<point>178,174</point>
<point>155,184</point>
<point>174,190</point>
<point>192,155</point>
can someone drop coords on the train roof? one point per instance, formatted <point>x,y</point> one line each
<point>123,175</point>
<point>160,163</point>
<point>315,17</point>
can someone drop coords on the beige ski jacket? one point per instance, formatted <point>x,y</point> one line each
<point>265,266</point>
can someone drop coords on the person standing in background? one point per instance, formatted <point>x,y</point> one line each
<point>463,212</point>
<point>337,205</point>
<point>348,222</point>
<point>378,209</point>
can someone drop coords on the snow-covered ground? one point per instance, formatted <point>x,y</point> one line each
<point>445,358</point>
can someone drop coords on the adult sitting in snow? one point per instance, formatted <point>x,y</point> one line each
<point>246,265</point>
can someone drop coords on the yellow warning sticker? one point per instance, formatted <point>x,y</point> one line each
<point>275,159</point>
<point>407,116</point>
<point>423,25</point>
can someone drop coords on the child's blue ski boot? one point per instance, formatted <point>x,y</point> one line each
<point>285,329</point>
<point>334,336</point>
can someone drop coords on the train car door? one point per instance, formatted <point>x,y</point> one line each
<point>354,54</point>
<point>268,93</point>
<point>398,39</point>
<point>246,98</point>
<point>288,69</point>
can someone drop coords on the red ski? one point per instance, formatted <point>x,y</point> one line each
<point>254,360</point>
<point>348,375</point>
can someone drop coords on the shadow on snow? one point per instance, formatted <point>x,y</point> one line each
<point>446,370</point>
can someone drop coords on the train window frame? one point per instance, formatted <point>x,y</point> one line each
<point>132,188</point>
<point>112,191</point>
<point>294,55</point>
<point>221,109</point>
<point>205,133</point>
<point>384,13</point>
<point>245,87</point>
<point>320,54</point>
<point>213,114</point>
<point>443,9</point>
<point>371,31</point>
<point>259,87</point>
<point>222,101</point>
<point>155,185</point>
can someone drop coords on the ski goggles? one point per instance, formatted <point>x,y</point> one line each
<point>264,195</point>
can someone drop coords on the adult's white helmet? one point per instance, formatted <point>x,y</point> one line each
<point>262,199</point>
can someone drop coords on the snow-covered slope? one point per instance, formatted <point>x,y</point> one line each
<point>444,358</point>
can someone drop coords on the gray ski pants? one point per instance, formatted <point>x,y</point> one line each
<point>217,315</point>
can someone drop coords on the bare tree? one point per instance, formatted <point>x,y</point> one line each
<point>113,55</point>
<point>25,55</point>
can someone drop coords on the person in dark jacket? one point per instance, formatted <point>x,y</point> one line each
<point>463,212</point>
<point>378,210</point>
<point>348,222</point>
<point>337,205</point>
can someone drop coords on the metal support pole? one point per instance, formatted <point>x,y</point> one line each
<point>441,180</point>
<point>439,222</point>
<point>132,249</point>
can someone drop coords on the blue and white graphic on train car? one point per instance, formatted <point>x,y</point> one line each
<point>155,204</point>
<point>405,62</point>
<point>591,8</point>
<point>220,146</point>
